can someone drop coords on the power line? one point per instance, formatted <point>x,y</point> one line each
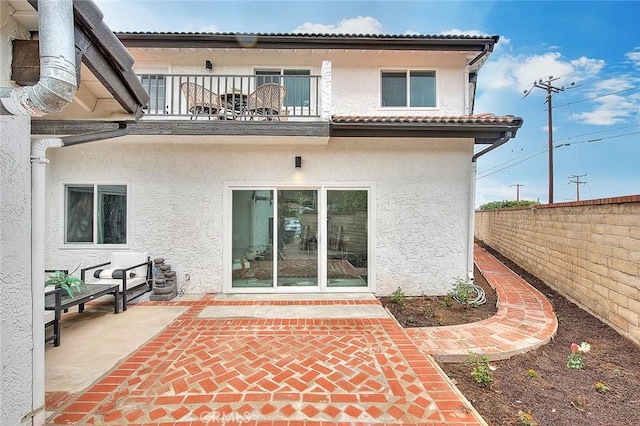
<point>598,131</point>
<point>598,97</point>
<point>484,174</point>
<point>511,165</point>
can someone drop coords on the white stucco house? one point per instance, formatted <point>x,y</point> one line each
<point>260,163</point>
<point>370,148</point>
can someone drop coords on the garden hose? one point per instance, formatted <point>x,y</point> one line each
<point>480,298</point>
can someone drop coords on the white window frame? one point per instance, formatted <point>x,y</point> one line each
<point>407,72</point>
<point>322,188</point>
<point>93,244</point>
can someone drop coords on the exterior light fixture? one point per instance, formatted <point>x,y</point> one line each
<point>298,162</point>
<point>208,65</point>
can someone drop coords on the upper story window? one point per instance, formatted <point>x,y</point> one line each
<point>295,81</point>
<point>155,87</point>
<point>96,214</point>
<point>412,88</point>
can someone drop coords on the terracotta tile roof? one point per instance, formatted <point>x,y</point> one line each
<point>461,119</point>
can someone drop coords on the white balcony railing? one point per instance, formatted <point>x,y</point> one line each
<point>244,97</point>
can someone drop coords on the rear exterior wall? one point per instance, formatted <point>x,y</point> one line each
<point>420,211</point>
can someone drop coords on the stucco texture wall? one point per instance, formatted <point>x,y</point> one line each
<point>421,206</point>
<point>15,270</point>
<point>587,251</point>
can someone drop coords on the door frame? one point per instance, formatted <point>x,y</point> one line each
<point>322,188</point>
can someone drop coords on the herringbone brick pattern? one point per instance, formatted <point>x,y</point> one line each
<point>264,371</point>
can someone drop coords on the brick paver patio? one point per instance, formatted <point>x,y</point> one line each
<point>204,371</point>
<point>272,372</point>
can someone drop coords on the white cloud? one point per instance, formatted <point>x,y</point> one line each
<point>519,72</point>
<point>474,33</point>
<point>634,56</point>
<point>612,108</point>
<point>359,25</point>
<point>209,29</point>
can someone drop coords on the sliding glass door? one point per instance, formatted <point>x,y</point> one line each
<point>299,239</point>
<point>347,238</point>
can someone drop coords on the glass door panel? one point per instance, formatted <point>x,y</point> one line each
<point>297,264</point>
<point>347,238</point>
<point>252,238</point>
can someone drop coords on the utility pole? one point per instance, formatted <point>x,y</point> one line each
<point>578,182</point>
<point>550,89</point>
<point>517,185</point>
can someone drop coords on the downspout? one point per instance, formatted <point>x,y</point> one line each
<point>472,197</point>
<point>38,165</point>
<point>58,82</point>
<point>52,93</point>
<point>39,162</point>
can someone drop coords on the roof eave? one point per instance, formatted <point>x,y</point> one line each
<point>480,133</point>
<point>306,41</point>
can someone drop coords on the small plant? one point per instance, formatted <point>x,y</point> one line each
<point>601,387</point>
<point>532,373</point>
<point>618,372</point>
<point>575,360</point>
<point>411,320</point>
<point>67,282</point>
<point>526,419</point>
<point>447,301</point>
<point>398,296</point>
<point>481,370</point>
<point>463,292</point>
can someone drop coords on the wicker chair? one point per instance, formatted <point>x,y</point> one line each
<point>201,100</point>
<point>266,102</point>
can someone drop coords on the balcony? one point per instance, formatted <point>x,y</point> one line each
<point>232,97</point>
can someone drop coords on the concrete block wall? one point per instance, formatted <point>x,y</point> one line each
<point>588,251</point>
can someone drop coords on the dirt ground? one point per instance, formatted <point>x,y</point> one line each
<point>537,388</point>
<point>425,311</point>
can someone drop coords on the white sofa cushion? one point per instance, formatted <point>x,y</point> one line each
<point>125,259</point>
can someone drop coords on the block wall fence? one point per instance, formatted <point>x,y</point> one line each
<point>589,251</point>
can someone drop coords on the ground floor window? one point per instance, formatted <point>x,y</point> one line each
<point>304,238</point>
<point>95,214</point>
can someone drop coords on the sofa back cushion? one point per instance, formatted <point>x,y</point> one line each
<point>125,259</point>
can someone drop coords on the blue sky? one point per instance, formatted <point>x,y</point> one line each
<point>593,44</point>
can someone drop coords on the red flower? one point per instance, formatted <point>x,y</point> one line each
<point>575,347</point>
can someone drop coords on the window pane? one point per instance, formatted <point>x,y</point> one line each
<point>252,238</point>
<point>79,210</point>
<point>347,238</point>
<point>297,263</point>
<point>394,89</point>
<point>298,88</point>
<point>423,88</point>
<point>268,76</point>
<point>154,84</point>
<point>112,214</point>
